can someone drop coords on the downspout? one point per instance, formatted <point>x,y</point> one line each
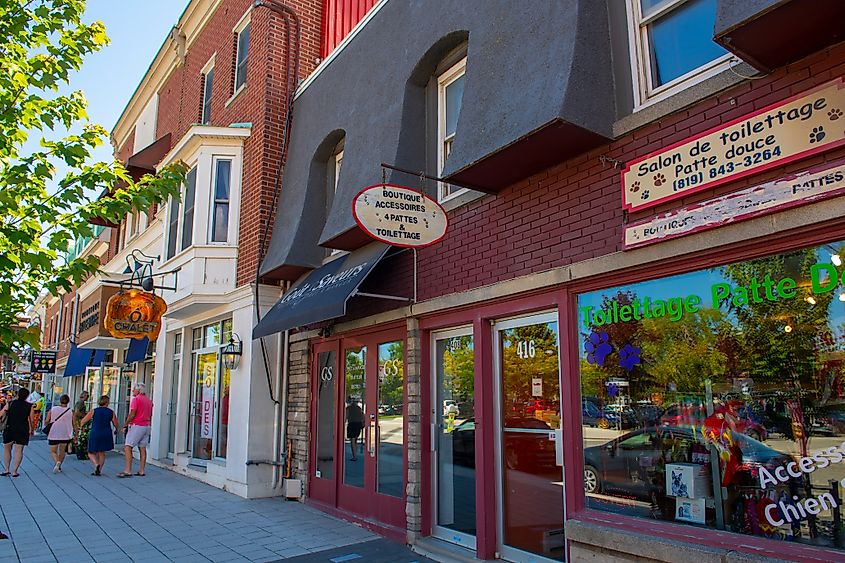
<point>291,83</point>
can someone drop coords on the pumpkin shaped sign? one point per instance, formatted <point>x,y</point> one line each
<point>134,314</point>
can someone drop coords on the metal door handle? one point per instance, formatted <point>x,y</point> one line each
<point>374,435</point>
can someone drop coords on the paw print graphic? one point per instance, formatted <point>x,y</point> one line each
<point>644,195</point>
<point>659,179</point>
<point>597,348</point>
<point>834,114</point>
<point>635,187</point>
<point>817,134</point>
<point>629,356</point>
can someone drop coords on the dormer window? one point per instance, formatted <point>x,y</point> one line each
<point>450,93</point>
<point>673,45</point>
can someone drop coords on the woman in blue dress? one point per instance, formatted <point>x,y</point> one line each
<point>101,438</point>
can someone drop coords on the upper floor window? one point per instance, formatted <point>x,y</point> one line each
<point>180,225</point>
<point>450,93</point>
<point>188,209</point>
<point>673,45</point>
<point>220,206</point>
<point>241,54</point>
<point>207,86</point>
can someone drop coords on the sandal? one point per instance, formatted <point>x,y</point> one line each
<point>140,475</point>
<point>123,475</point>
<point>16,475</point>
<point>5,474</point>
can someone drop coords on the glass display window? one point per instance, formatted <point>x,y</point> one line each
<point>716,398</point>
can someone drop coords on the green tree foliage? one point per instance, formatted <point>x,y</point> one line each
<point>459,372</point>
<point>774,355</point>
<point>683,352</point>
<point>529,352</point>
<point>41,211</point>
<point>392,374</point>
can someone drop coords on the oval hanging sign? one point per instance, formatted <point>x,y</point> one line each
<point>399,216</point>
<point>134,314</point>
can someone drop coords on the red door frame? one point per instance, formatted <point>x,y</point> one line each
<point>365,503</point>
<point>563,298</point>
<point>321,489</point>
<point>481,318</point>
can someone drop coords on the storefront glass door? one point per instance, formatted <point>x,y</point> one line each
<point>360,421</point>
<point>204,383</point>
<point>173,394</point>
<point>453,418</point>
<point>355,420</point>
<point>530,475</point>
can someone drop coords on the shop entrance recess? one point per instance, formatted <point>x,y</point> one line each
<point>358,454</point>
<point>453,436</point>
<point>528,446</point>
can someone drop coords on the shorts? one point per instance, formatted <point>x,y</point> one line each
<point>353,430</point>
<point>137,436</point>
<point>19,437</point>
<point>58,442</point>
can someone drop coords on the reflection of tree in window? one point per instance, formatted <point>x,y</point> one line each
<point>520,368</point>
<point>391,373</point>
<point>459,372</point>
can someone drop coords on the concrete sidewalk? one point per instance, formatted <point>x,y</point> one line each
<point>73,516</point>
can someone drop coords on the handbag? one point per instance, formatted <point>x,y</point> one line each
<point>48,426</point>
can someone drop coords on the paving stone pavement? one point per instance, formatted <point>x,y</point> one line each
<point>75,517</point>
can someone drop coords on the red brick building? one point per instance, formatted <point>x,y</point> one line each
<point>633,321</point>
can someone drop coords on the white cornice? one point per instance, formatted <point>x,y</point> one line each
<point>199,135</point>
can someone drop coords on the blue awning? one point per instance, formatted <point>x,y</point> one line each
<point>137,350</point>
<point>80,358</point>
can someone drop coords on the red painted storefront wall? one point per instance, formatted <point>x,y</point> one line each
<point>339,17</point>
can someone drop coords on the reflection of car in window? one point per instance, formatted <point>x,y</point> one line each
<point>632,464</point>
<point>682,415</point>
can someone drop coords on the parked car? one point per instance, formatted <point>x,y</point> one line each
<point>622,466</point>
<point>680,415</point>
<point>532,452</point>
<point>648,414</point>
<point>608,417</point>
<point>829,421</point>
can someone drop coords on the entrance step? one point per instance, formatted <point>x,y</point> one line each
<point>443,551</point>
<point>374,551</point>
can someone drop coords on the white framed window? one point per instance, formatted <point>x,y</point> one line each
<point>189,202</point>
<point>450,93</point>
<point>180,224</point>
<point>221,194</point>
<point>241,33</point>
<point>672,46</point>
<point>207,89</point>
<point>172,228</point>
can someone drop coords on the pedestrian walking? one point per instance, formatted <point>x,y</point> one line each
<point>59,426</point>
<point>101,438</point>
<point>17,432</point>
<point>80,409</point>
<point>137,429</point>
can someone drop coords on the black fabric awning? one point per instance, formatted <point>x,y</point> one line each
<point>323,294</point>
